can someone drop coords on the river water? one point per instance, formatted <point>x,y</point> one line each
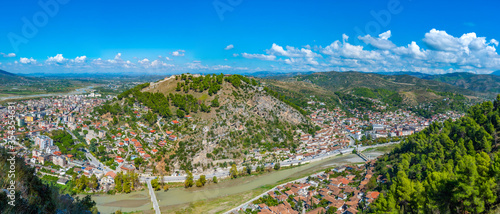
<point>76,91</point>
<point>139,201</point>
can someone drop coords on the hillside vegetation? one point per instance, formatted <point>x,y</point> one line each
<point>34,196</point>
<point>450,167</point>
<point>229,117</point>
<point>474,82</point>
<point>354,90</point>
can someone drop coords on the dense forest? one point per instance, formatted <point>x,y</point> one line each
<point>33,196</point>
<point>450,167</point>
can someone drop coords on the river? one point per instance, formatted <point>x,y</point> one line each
<point>139,201</point>
<point>76,91</point>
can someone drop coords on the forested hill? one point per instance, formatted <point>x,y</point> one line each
<point>342,81</point>
<point>7,77</point>
<point>475,82</point>
<point>450,167</point>
<point>33,196</point>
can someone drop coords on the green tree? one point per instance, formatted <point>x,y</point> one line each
<point>277,166</point>
<point>126,187</point>
<point>215,102</point>
<point>189,182</point>
<point>233,171</point>
<point>203,179</point>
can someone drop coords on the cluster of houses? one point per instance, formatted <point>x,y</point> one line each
<point>339,131</point>
<point>338,190</point>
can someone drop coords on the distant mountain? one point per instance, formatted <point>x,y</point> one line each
<point>497,73</point>
<point>276,75</point>
<point>2,72</point>
<point>342,81</point>
<point>7,77</point>
<point>414,74</point>
<point>474,82</point>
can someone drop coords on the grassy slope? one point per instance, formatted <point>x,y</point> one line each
<point>481,83</point>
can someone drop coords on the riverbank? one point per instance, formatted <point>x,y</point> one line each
<point>9,97</point>
<point>214,197</point>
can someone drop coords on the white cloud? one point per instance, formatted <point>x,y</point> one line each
<point>56,59</point>
<point>441,41</point>
<point>8,55</point>
<point>413,50</point>
<point>382,42</point>
<point>291,52</point>
<point>178,53</point>
<point>346,50</point>
<point>437,52</point>
<point>259,56</point>
<point>344,38</point>
<point>27,61</point>
<point>158,64</point>
<point>144,61</point>
<point>80,59</point>
<point>229,47</point>
<point>494,41</point>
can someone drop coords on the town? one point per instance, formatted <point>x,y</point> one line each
<point>65,140</point>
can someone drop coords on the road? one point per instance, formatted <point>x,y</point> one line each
<point>93,160</point>
<point>153,197</point>
<point>222,173</point>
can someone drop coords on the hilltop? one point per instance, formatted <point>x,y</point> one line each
<point>215,119</point>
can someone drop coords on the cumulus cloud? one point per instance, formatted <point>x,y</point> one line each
<point>27,61</point>
<point>259,56</point>
<point>8,55</point>
<point>178,53</point>
<point>59,59</point>
<point>412,50</point>
<point>436,52</point>
<point>494,41</point>
<point>80,59</point>
<point>229,47</point>
<point>144,61</point>
<point>160,64</point>
<point>382,42</point>
<point>291,51</point>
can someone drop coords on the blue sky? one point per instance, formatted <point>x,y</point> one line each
<point>245,36</point>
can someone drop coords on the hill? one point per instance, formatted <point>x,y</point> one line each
<point>450,167</point>
<point>10,78</point>
<point>415,74</point>
<point>34,196</point>
<point>497,73</point>
<point>342,81</point>
<point>361,90</point>
<point>219,119</point>
<point>475,82</point>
